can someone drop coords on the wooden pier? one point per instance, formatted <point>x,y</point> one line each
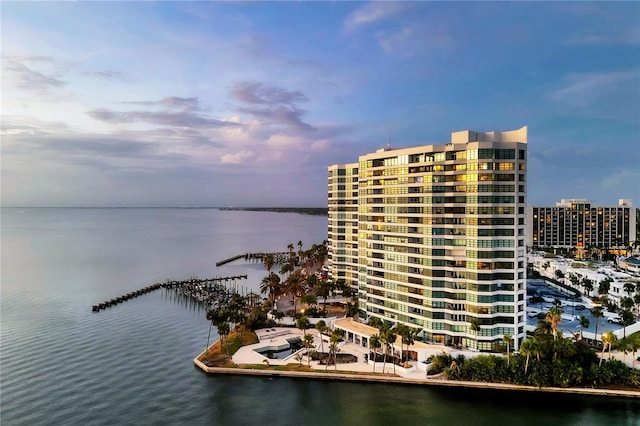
<point>208,290</point>
<point>277,257</point>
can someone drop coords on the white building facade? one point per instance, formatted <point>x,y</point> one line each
<point>441,238</point>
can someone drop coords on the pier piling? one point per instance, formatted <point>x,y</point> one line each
<point>207,290</point>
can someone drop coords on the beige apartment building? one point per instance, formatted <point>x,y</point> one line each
<point>577,223</point>
<point>440,236</point>
<point>343,223</point>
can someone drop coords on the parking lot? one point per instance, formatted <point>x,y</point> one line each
<point>544,295</point>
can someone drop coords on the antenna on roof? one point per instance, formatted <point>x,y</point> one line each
<point>388,148</point>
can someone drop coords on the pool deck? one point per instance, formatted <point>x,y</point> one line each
<point>362,371</point>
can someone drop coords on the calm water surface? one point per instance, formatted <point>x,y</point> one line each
<point>133,363</point>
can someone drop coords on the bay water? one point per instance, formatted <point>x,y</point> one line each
<point>61,363</point>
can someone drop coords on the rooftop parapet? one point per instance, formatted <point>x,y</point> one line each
<point>464,136</point>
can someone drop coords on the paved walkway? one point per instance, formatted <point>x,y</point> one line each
<point>278,336</point>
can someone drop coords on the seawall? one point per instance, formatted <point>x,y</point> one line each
<point>413,381</point>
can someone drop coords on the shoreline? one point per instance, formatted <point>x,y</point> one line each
<point>370,378</point>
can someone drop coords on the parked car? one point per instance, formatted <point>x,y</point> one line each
<point>614,319</point>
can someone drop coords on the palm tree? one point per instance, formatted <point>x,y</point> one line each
<point>239,317</point>
<point>308,341</point>
<point>608,339</point>
<point>629,288</point>
<point>604,286</point>
<point>587,284</point>
<point>388,339</point>
<point>375,342</point>
<point>336,336</point>
<point>333,349</point>
<point>210,319</point>
<point>554,317</point>
<point>584,323</point>
<point>292,258</point>
<point>286,269</point>
<point>635,345</point>
<point>324,288</point>
<point>270,285</point>
<point>408,337</point>
<point>507,341</point>
<point>376,322</point>
<point>527,349</point>
<point>624,345</point>
<point>597,314</point>
<point>563,348</point>
<point>309,299</point>
<point>278,315</point>
<point>352,307</point>
<point>627,318</point>
<point>268,262</point>
<point>295,288</point>
<point>543,329</point>
<point>218,318</point>
<point>223,331</point>
<point>303,323</point>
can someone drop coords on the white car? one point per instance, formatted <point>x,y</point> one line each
<point>614,319</point>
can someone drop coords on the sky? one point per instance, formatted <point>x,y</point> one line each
<point>247,103</point>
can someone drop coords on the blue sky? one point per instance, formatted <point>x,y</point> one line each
<point>246,104</point>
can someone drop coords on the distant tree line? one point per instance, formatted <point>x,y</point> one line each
<point>317,211</point>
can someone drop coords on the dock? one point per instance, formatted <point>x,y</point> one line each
<point>278,257</point>
<point>205,290</point>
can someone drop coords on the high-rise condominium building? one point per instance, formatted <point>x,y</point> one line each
<point>441,236</point>
<point>576,223</point>
<point>343,223</point>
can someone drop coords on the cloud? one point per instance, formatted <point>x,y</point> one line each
<point>155,149</point>
<point>107,75</point>
<point>23,71</point>
<point>416,39</point>
<point>272,105</point>
<point>237,158</point>
<point>610,94</point>
<point>173,102</point>
<point>615,24</point>
<point>175,111</point>
<point>258,93</point>
<point>286,115</point>
<point>373,12</point>
<point>631,37</point>
<point>621,179</point>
